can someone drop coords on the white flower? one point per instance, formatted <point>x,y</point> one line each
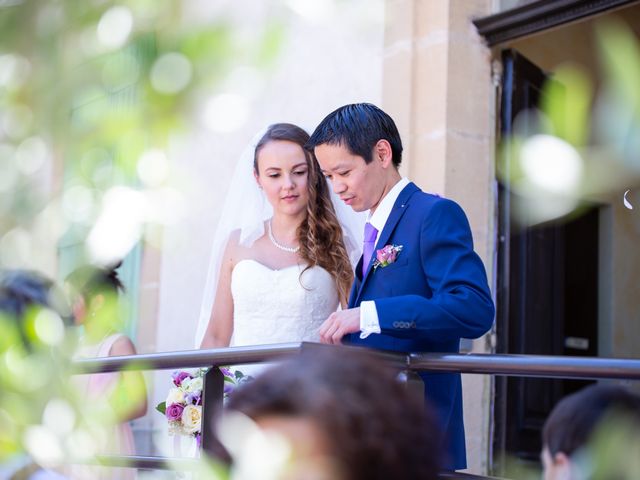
<point>176,395</point>
<point>175,428</point>
<point>192,418</point>
<point>194,385</point>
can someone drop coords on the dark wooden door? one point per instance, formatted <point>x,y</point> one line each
<point>547,290</point>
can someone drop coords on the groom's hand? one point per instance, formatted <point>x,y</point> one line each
<point>340,324</point>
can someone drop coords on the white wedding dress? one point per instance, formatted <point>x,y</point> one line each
<point>279,306</point>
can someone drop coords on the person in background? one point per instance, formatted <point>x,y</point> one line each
<point>593,434</point>
<point>344,415</point>
<point>94,293</point>
<point>22,295</point>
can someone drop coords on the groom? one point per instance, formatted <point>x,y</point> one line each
<point>419,286</point>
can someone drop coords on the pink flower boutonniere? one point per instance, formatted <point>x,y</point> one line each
<point>386,255</point>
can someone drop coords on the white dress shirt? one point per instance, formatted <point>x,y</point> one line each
<point>369,322</point>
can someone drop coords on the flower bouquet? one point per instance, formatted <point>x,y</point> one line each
<point>183,406</point>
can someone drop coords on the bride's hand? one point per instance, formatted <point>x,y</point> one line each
<point>340,324</point>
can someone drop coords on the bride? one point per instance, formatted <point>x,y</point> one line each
<point>280,264</point>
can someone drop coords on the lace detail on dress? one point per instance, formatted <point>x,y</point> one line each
<point>278,306</point>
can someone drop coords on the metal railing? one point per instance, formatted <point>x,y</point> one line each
<point>480,363</point>
<point>527,365</point>
<point>211,357</point>
<point>409,364</point>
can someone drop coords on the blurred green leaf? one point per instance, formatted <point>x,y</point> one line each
<point>162,407</point>
<point>620,56</point>
<point>129,393</point>
<point>271,44</point>
<point>95,109</point>
<point>566,101</point>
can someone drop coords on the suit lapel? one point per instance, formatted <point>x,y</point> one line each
<point>399,207</point>
<point>357,281</point>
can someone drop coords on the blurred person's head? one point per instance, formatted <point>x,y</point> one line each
<point>570,431</point>
<point>33,355</point>
<point>20,289</point>
<point>345,416</point>
<point>22,292</point>
<point>94,296</point>
<point>90,286</point>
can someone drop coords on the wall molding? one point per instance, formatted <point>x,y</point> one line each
<point>538,16</point>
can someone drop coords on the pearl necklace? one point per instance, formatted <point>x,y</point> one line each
<point>281,247</point>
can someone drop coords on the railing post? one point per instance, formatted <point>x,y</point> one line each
<point>212,393</point>
<point>413,383</point>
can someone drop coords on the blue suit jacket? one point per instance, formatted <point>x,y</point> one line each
<point>435,293</point>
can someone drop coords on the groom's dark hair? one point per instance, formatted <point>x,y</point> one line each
<point>358,127</point>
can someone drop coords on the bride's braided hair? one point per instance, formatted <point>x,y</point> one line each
<point>319,235</point>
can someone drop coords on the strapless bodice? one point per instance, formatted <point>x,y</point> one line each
<point>278,306</point>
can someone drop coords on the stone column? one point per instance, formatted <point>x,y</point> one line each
<point>437,85</point>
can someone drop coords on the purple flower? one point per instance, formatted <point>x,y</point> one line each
<point>226,372</point>
<point>228,389</point>
<point>193,399</point>
<point>386,255</point>
<point>179,376</point>
<point>174,411</point>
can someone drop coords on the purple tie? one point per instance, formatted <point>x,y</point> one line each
<point>370,234</point>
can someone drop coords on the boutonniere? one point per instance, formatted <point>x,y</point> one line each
<point>386,255</point>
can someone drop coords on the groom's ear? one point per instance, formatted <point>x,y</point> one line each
<point>382,153</point>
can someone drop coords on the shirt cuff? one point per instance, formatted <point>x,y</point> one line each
<point>369,322</point>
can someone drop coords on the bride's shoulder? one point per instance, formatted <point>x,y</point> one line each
<point>234,239</point>
<point>237,250</point>
<point>236,242</point>
<point>246,239</point>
